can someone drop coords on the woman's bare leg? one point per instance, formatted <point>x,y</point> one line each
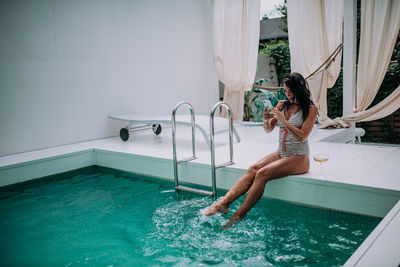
<point>241,186</point>
<point>280,168</point>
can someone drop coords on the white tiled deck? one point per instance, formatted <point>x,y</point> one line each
<point>368,165</point>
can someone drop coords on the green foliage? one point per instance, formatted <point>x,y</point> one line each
<point>282,10</point>
<point>334,97</point>
<point>254,101</point>
<point>280,52</point>
<point>260,82</point>
<point>281,95</point>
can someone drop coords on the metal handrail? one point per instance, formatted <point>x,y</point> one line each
<point>212,132</point>
<point>173,119</point>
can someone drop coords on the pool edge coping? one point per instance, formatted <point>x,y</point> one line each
<point>366,247</point>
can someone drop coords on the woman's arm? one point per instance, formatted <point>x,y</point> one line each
<point>269,120</point>
<point>308,124</point>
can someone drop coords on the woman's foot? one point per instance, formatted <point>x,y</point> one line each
<point>217,207</point>
<point>231,222</point>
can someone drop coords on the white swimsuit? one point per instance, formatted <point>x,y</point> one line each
<point>288,144</point>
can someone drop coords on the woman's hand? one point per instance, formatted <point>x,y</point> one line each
<point>269,120</point>
<point>277,114</point>
<point>267,113</point>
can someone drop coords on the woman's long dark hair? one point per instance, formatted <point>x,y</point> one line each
<point>300,90</point>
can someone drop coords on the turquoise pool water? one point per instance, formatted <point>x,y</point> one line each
<point>102,217</point>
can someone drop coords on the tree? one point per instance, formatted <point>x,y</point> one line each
<point>282,10</point>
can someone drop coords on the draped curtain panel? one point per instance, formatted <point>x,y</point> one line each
<point>380,25</point>
<point>384,108</point>
<point>236,36</point>
<point>315,33</point>
<point>380,21</point>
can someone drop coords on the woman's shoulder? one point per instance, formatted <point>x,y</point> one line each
<point>313,110</point>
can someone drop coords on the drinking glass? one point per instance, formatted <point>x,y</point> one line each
<point>321,158</point>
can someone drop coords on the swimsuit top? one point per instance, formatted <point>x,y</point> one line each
<point>288,144</point>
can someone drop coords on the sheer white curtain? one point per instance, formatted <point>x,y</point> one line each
<point>236,37</point>
<point>315,35</point>
<point>380,24</point>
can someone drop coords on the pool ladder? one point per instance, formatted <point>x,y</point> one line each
<point>214,167</point>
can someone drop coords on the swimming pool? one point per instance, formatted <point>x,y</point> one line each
<point>100,216</point>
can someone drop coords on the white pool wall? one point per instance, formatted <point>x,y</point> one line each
<point>318,193</point>
<point>66,65</point>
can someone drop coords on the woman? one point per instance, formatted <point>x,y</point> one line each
<point>295,118</point>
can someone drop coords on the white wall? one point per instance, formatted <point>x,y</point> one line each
<point>67,64</point>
